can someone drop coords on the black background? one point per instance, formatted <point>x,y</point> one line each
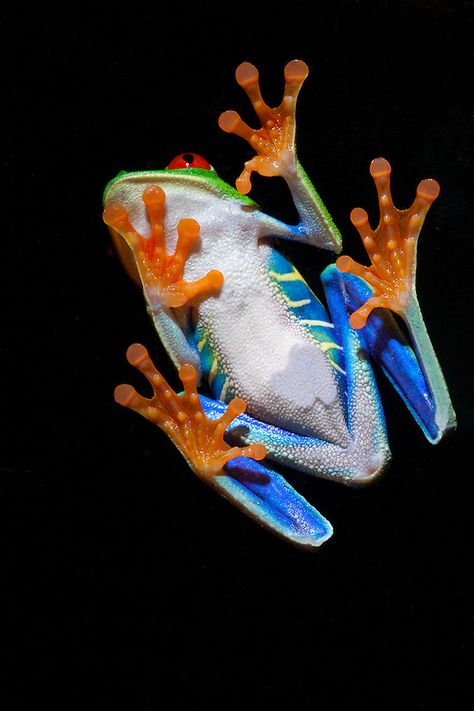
<point>123,577</point>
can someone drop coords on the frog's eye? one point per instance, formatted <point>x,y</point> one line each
<point>189,160</point>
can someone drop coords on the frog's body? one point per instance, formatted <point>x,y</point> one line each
<point>283,368</point>
<point>266,338</point>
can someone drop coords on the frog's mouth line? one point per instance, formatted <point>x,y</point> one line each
<point>207,180</point>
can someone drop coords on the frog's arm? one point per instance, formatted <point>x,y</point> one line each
<point>161,274</point>
<point>274,143</point>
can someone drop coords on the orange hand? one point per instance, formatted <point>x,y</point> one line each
<point>200,440</point>
<point>162,273</point>
<point>274,142</point>
<point>391,247</point>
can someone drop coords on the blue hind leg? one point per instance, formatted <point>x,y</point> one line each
<point>266,496</point>
<point>427,401</point>
<point>259,491</point>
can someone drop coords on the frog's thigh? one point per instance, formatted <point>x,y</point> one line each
<point>359,463</point>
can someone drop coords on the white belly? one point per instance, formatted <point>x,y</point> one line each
<point>271,360</point>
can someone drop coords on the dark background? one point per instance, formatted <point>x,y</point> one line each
<point>123,577</point>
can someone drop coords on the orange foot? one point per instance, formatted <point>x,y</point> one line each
<point>200,440</point>
<point>274,142</point>
<point>162,273</point>
<point>391,247</point>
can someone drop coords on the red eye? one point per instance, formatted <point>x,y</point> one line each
<point>189,160</point>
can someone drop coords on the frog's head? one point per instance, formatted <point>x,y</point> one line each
<point>189,177</point>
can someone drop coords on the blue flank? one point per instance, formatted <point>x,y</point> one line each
<point>294,290</point>
<point>212,368</point>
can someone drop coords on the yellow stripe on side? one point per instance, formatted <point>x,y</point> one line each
<point>288,276</point>
<point>224,390</point>
<point>213,371</point>
<point>295,304</point>
<point>202,343</point>
<point>336,366</point>
<point>329,345</point>
<point>315,322</point>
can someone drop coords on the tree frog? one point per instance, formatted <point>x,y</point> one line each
<point>289,379</point>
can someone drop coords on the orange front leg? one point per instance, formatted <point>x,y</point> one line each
<point>200,440</point>
<point>162,273</point>
<point>274,141</point>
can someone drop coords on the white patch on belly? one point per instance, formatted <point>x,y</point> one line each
<point>275,366</point>
<point>296,377</point>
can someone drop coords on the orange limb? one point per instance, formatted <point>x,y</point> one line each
<point>391,247</point>
<point>162,273</point>
<point>200,440</point>
<point>274,141</point>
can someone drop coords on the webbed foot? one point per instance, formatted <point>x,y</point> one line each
<point>391,247</point>
<point>162,273</point>
<point>199,439</point>
<point>274,141</point>
<point>391,276</point>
